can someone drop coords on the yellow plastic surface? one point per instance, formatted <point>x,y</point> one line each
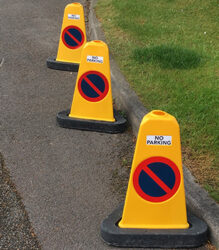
<point>66,54</point>
<point>82,108</point>
<point>139,212</point>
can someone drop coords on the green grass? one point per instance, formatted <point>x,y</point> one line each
<point>168,51</point>
<point>168,57</point>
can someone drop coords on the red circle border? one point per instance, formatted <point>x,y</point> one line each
<point>99,98</point>
<point>63,37</point>
<point>152,160</point>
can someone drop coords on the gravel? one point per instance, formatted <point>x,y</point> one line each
<point>15,228</point>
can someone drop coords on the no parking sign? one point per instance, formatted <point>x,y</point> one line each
<point>156,179</point>
<point>93,86</point>
<point>73,37</point>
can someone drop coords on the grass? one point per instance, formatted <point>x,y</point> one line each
<point>168,57</point>
<point>168,51</point>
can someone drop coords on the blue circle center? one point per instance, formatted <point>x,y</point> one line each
<point>87,87</point>
<point>76,34</point>
<point>164,172</point>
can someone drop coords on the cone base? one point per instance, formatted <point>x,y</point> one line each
<point>65,66</point>
<point>118,126</point>
<point>194,236</point>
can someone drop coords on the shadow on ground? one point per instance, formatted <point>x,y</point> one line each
<point>168,56</point>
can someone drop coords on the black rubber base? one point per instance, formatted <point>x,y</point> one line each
<point>118,126</point>
<point>194,236</point>
<point>65,66</point>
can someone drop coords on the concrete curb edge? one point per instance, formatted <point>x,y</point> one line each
<point>198,200</point>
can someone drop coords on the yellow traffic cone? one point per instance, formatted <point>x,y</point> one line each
<point>92,106</point>
<point>72,39</point>
<point>155,206</point>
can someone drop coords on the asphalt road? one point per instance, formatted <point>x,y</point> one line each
<point>69,180</point>
<point>64,176</point>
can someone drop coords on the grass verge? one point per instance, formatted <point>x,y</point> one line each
<point>168,51</point>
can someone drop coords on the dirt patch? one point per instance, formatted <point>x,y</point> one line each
<point>199,166</point>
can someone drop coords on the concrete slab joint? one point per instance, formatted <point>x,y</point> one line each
<point>198,200</point>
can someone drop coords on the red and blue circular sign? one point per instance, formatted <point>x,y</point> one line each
<point>156,179</point>
<point>72,37</point>
<point>93,86</point>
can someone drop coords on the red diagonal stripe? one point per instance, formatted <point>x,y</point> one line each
<point>75,39</point>
<point>93,86</point>
<point>157,179</point>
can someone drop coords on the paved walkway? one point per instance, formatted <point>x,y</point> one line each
<point>64,176</point>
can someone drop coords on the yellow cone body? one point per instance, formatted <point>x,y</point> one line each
<point>155,196</point>
<point>93,95</point>
<point>73,34</point>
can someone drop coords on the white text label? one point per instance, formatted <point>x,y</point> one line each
<point>72,16</point>
<point>95,59</point>
<point>159,140</point>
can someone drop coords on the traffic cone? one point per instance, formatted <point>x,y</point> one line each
<point>72,40</point>
<point>154,214</point>
<point>92,106</point>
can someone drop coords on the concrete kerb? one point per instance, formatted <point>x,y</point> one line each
<point>198,200</point>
